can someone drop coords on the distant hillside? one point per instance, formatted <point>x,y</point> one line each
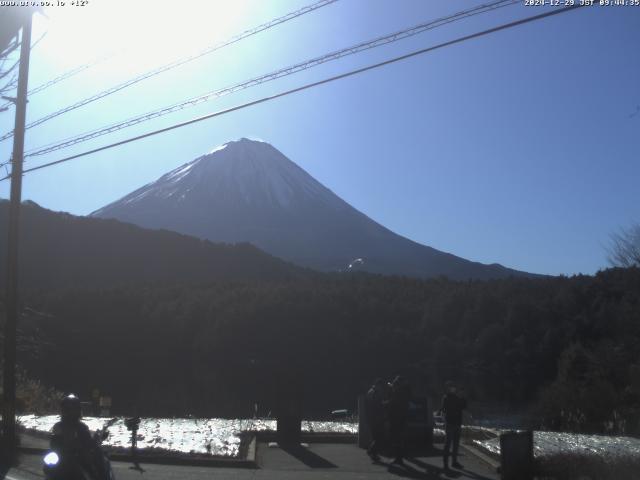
<point>62,250</point>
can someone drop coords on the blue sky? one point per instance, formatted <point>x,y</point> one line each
<point>517,148</point>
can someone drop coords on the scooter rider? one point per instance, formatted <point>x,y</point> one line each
<point>71,439</point>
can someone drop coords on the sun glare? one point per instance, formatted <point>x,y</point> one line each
<point>146,32</point>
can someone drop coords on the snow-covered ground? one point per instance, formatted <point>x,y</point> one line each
<point>205,436</point>
<point>593,456</point>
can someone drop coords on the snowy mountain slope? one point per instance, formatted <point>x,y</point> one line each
<point>247,191</point>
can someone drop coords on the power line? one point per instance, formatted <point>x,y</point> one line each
<point>13,81</point>
<point>59,78</point>
<point>70,73</point>
<point>5,165</point>
<point>308,86</point>
<point>290,70</point>
<point>177,63</point>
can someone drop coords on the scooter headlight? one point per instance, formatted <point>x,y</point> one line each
<point>51,459</point>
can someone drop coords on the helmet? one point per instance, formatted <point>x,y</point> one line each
<point>70,409</point>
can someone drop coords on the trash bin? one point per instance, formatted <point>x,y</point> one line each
<point>516,455</point>
<point>420,423</point>
<point>288,430</point>
<point>289,418</point>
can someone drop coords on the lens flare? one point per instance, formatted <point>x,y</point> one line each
<point>51,459</point>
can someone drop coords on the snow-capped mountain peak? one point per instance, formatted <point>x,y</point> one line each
<point>248,191</point>
<point>253,170</point>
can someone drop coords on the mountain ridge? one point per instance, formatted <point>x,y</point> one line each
<point>248,191</point>
<point>60,250</point>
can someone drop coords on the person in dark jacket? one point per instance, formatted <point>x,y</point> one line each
<point>398,414</point>
<point>375,415</point>
<point>452,407</point>
<point>71,439</point>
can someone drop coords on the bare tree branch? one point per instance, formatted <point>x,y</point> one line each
<point>11,84</point>
<point>624,249</point>
<point>34,44</point>
<point>9,70</point>
<point>10,48</point>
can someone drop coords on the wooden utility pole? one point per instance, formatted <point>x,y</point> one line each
<point>11,319</point>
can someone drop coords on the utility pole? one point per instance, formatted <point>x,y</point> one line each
<point>11,318</point>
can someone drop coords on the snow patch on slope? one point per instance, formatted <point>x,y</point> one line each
<point>218,148</point>
<point>249,171</point>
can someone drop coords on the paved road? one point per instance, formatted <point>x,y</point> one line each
<point>319,461</point>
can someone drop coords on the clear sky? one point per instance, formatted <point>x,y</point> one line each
<point>520,148</point>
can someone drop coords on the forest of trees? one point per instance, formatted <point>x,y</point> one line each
<point>564,347</point>
<point>172,325</point>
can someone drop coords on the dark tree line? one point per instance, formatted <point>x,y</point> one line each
<point>172,325</point>
<point>566,346</point>
<point>60,250</point>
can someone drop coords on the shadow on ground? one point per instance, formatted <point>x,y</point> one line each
<point>306,456</point>
<point>414,467</point>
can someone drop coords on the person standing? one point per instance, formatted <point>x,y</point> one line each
<point>374,405</point>
<point>452,407</point>
<point>398,415</point>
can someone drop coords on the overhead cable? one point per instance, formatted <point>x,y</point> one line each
<point>283,72</point>
<point>174,64</point>
<point>307,86</point>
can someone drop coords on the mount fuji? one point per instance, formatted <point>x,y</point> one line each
<point>248,191</point>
